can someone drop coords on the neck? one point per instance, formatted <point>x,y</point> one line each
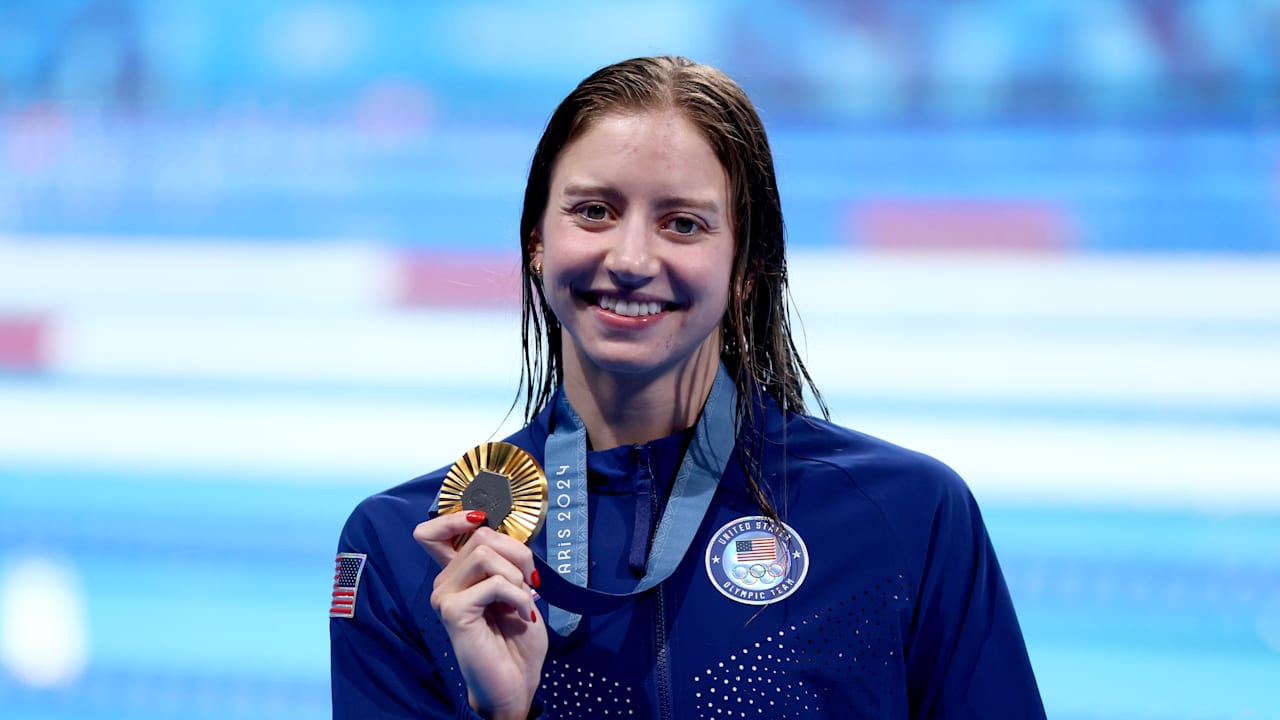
<point>631,409</point>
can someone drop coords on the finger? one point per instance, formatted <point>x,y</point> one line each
<point>476,563</point>
<point>436,535</point>
<point>515,552</point>
<point>469,605</point>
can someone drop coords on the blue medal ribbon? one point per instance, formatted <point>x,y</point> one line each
<point>564,572</point>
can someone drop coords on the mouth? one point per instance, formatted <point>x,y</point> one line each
<point>629,308</point>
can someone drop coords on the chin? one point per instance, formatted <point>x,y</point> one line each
<point>633,365</point>
<point>627,365</point>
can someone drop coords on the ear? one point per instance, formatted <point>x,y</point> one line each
<point>749,281</point>
<point>535,249</point>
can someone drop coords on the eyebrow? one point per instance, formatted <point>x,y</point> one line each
<point>667,202</point>
<point>600,191</point>
<point>672,202</point>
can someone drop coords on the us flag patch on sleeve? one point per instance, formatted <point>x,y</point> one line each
<point>346,581</point>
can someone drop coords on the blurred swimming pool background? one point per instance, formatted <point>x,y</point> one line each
<point>256,262</point>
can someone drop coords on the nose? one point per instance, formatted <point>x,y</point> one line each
<point>631,261</point>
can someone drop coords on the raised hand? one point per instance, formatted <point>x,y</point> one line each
<point>484,598</point>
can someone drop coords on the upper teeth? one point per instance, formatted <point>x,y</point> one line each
<point>629,308</point>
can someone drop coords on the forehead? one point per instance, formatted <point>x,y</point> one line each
<point>658,151</point>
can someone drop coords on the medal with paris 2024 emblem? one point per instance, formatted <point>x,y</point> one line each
<point>754,561</point>
<point>505,482</point>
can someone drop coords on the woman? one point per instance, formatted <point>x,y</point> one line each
<point>743,559</point>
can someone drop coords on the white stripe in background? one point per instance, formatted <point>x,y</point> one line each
<point>58,274</point>
<point>1095,287</point>
<point>363,348</point>
<point>985,365</point>
<point>1128,465</point>
<point>327,439</point>
<point>53,274</point>
<point>982,363</point>
<point>293,438</point>
<point>848,356</point>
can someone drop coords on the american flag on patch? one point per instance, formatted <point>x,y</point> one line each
<point>758,550</point>
<point>346,580</point>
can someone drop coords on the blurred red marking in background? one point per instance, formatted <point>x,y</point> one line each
<point>962,225</point>
<point>23,342</point>
<point>457,279</point>
<point>38,138</point>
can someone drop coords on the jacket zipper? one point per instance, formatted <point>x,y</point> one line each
<point>662,670</point>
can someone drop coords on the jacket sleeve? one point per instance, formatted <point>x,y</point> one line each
<point>392,657</point>
<point>966,658</point>
<point>380,664</point>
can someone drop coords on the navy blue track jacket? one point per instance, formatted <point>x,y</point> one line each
<point>886,602</point>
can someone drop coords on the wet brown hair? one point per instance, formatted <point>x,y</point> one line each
<point>758,349</point>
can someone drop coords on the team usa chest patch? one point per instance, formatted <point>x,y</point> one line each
<point>346,582</point>
<point>753,561</point>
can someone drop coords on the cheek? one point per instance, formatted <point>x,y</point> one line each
<point>712,278</point>
<point>564,249</point>
<point>724,267</point>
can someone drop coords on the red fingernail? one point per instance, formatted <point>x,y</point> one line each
<point>534,580</point>
<point>533,616</point>
<point>475,516</point>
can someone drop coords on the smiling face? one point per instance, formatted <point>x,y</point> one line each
<point>636,249</point>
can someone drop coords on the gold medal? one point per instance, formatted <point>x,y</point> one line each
<point>502,480</point>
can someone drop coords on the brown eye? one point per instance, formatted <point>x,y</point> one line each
<point>594,211</point>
